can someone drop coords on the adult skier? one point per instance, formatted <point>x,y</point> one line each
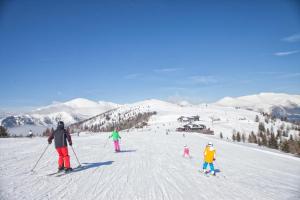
<point>30,134</point>
<point>60,136</point>
<point>115,135</point>
<point>209,157</point>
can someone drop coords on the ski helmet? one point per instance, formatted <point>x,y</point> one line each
<point>60,124</point>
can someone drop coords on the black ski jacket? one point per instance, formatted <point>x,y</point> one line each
<point>60,136</point>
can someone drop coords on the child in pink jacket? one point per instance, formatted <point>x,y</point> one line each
<point>186,151</point>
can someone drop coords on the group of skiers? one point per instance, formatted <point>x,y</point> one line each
<point>61,136</point>
<point>61,140</point>
<point>209,157</point>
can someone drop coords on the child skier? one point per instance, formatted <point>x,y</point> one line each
<point>115,135</point>
<point>186,151</point>
<point>209,157</point>
<point>60,136</point>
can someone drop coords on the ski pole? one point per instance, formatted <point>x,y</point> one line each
<point>217,166</point>
<point>40,157</point>
<point>76,157</point>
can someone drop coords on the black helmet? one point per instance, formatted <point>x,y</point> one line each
<point>60,124</point>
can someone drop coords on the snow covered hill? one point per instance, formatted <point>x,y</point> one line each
<point>278,104</point>
<point>217,118</point>
<point>70,112</point>
<point>150,166</point>
<point>126,116</point>
<point>222,116</point>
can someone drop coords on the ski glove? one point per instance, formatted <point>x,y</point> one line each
<point>70,143</point>
<point>214,159</point>
<point>49,142</point>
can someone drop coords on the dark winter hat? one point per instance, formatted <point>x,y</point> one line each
<point>60,124</point>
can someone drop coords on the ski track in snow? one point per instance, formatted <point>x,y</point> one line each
<point>151,166</point>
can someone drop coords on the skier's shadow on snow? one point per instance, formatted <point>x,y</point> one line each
<point>86,166</point>
<point>217,171</point>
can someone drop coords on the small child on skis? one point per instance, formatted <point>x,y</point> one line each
<point>186,151</point>
<point>115,135</point>
<point>209,157</point>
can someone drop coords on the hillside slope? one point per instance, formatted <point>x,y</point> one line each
<point>150,167</point>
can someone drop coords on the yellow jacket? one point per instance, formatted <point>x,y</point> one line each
<point>209,154</point>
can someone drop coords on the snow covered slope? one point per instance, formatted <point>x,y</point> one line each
<point>279,104</point>
<point>150,167</point>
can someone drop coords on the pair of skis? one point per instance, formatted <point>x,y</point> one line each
<point>62,172</point>
<point>208,174</point>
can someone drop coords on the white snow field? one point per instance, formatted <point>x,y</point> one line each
<point>151,166</point>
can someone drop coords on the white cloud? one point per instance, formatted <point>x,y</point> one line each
<point>292,38</point>
<point>132,76</point>
<point>173,88</point>
<point>290,75</point>
<point>281,75</point>
<point>203,79</point>
<point>164,70</point>
<point>286,53</point>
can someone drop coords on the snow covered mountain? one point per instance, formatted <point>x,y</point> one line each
<point>126,116</point>
<point>69,112</point>
<point>222,116</point>
<point>277,104</point>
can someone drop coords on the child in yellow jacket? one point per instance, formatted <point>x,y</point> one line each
<point>209,157</point>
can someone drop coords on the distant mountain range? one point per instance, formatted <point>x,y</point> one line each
<point>87,113</point>
<point>70,112</point>
<point>276,104</point>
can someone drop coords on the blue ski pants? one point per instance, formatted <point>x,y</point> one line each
<point>211,166</point>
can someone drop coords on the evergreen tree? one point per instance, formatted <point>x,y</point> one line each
<point>254,137</point>
<point>233,137</point>
<point>273,142</point>
<point>221,135</point>
<point>267,120</point>
<point>261,127</point>
<point>250,138</point>
<point>285,146</point>
<point>268,132</point>
<point>259,142</point>
<point>3,132</point>
<point>238,137</point>
<point>291,138</point>
<point>243,137</point>
<point>279,134</point>
<point>256,118</point>
<point>264,140</point>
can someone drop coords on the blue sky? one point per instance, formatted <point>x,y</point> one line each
<point>125,51</point>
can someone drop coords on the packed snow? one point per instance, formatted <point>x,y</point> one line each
<point>149,166</point>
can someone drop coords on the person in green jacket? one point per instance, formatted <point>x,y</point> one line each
<point>115,135</point>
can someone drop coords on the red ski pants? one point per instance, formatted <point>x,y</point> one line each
<point>64,158</point>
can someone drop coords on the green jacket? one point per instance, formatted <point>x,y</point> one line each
<point>115,135</point>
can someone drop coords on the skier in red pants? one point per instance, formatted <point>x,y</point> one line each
<point>60,136</point>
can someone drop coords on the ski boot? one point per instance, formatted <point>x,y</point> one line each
<point>67,170</point>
